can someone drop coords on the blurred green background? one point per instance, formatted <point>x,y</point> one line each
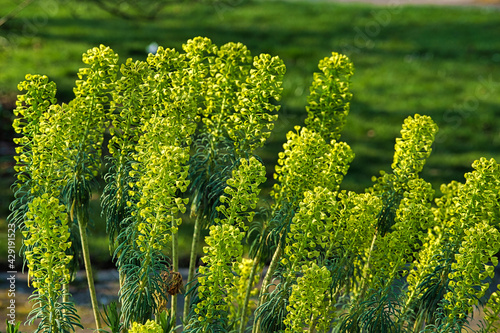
<point>433,60</point>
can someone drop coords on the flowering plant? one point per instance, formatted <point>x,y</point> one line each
<point>184,130</point>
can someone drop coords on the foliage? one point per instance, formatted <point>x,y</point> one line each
<point>12,328</point>
<point>184,129</point>
<point>112,318</point>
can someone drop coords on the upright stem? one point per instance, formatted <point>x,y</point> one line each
<point>244,308</point>
<point>175,268</point>
<point>65,297</point>
<point>366,268</point>
<point>82,224</point>
<point>314,321</point>
<point>267,279</point>
<point>192,262</point>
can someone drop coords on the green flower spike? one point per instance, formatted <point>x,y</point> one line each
<point>47,238</point>
<point>312,229</point>
<point>415,145</point>
<point>236,95</point>
<point>395,249</point>
<point>308,300</point>
<point>39,96</point>
<point>328,102</point>
<point>224,250</point>
<point>308,161</point>
<point>241,194</point>
<point>222,255</point>
<point>475,262</point>
<point>457,255</point>
<point>160,169</point>
<point>237,293</point>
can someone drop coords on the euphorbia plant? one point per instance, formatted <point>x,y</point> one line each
<point>60,153</point>
<point>184,130</point>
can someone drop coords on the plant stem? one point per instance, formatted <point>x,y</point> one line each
<point>314,321</point>
<point>82,224</point>
<point>267,279</point>
<point>367,267</point>
<point>256,262</point>
<point>192,261</point>
<point>65,297</point>
<point>175,268</point>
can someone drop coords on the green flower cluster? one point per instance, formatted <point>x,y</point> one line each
<point>415,145</point>
<point>222,256</point>
<point>410,154</point>
<point>47,240</point>
<point>236,91</point>
<point>308,300</point>
<point>127,107</point>
<point>475,262</point>
<point>395,249</point>
<point>39,96</point>
<point>311,229</point>
<point>330,231</point>
<point>399,214</point>
<point>173,91</point>
<point>36,168</point>
<point>406,213</point>
<point>329,225</point>
<point>328,102</point>
<point>241,195</point>
<point>87,111</point>
<point>160,166</point>
<point>481,188</point>
<point>308,161</point>
<point>458,252</point>
<point>48,233</point>
<point>149,327</point>
<point>237,292</point>
<point>224,250</point>
<point>475,231</point>
<point>355,222</point>
<point>250,124</point>
<point>157,188</point>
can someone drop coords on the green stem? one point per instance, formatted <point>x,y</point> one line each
<point>65,297</point>
<point>366,269</point>
<point>314,321</point>
<point>82,224</point>
<point>175,268</point>
<point>52,312</point>
<point>192,261</point>
<point>267,279</point>
<point>244,308</point>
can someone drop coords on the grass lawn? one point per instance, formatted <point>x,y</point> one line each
<point>439,61</point>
